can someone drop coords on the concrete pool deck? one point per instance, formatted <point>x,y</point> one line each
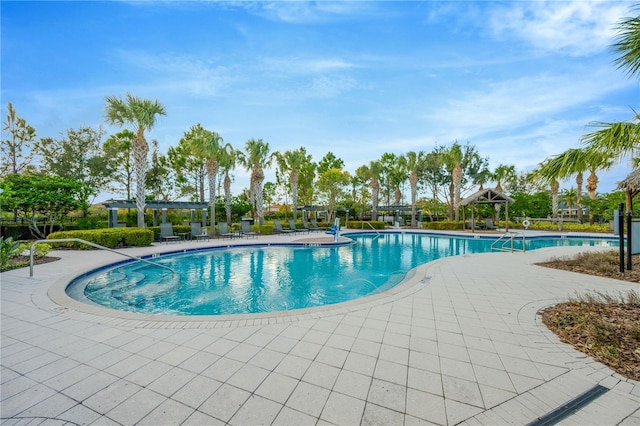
<point>459,343</point>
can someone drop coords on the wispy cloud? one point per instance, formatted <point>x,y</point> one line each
<point>199,76</point>
<point>305,66</point>
<point>577,28</point>
<point>517,102</point>
<point>301,12</point>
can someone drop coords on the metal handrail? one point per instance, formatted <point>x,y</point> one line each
<point>371,226</point>
<point>64,240</point>
<point>511,235</point>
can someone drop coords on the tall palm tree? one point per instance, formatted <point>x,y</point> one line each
<point>292,162</point>
<point>570,198</point>
<point>228,159</point>
<point>416,165</point>
<point>547,174</point>
<point>371,173</point>
<point>141,114</point>
<point>504,174</point>
<point>452,159</point>
<point>207,145</point>
<point>255,160</point>
<point>619,140</point>
<point>576,161</point>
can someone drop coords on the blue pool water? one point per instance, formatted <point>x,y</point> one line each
<point>253,279</point>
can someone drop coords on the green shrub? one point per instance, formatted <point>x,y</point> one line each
<point>108,237</point>
<point>8,249</point>
<point>357,224</point>
<point>444,225</point>
<point>569,226</point>
<point>41,250</point>
<point>265,229</point>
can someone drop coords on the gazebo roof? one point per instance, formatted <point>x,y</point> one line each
<point>631,183</point>
<point>487,196</point>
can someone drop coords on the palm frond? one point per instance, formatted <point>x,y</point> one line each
<point>628,45</point>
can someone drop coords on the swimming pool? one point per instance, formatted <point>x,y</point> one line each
<point>259,278</point>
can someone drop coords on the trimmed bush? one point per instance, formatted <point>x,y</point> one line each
<point>569,226</point>
<point>265,229</point>
<point>109,237</point>
<point>444,225</point>
<point>357,224</point>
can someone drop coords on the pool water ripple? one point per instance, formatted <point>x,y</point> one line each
<point>257,279</point>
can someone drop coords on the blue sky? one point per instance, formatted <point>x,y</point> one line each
<point>519,80</point>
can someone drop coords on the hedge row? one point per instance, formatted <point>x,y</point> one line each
<point>357,224</point>
<point>444,225</point>
<point>109,237</point>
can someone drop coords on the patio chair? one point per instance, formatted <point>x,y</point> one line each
<point>197,232</point>
<point>292,225</point>
<point>308,227</point>
<point>166,233</point>
<point>488,223</point>
<point>280,230</point>
<point>223,230</point>
<point>245,229</point>
<point>314,225</point>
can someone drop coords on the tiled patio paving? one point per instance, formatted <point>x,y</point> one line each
<point>458,343</point>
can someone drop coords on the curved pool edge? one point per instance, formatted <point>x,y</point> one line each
<point>57,291</point>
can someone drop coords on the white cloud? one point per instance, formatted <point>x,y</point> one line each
<point>200,77</point>
<point>302,12</point>
<point>577,28</point>
<point>518,102</point>
<point>305,66</point>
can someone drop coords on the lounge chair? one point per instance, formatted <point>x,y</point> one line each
<point>292,225</point>
<point>308,227</point>
<point>280,230</point>
<point>223,230</point>
<point>166,233</point>
<point>245,229</point>
<point>197,232</point>
<point>488,223</point>
<point>314,225</point>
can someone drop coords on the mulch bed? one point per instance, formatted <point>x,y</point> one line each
<point>23,262</point>
<point>609,333</point>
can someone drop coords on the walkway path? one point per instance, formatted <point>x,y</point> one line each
<point>458,343</point>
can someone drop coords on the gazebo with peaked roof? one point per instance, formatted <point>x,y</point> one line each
<point>631,186</point>
<point>486,196</point>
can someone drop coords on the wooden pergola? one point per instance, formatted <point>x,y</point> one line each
<point>631,186</point>
<point>486,196</point>
<point>157,206</point>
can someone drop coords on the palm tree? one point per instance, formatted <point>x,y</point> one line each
<point>619,140</point>
<point>228,159</point>
<point>416,165</point>
<point>208,146</point>
<point>576,161</point>
<point>452,159</point>
<point>371,173</point>
<point>504,173</point>
<point>547,174</point>
<point>141,114</point>
<point>292,162</point>
<point>255,160</point>
<point>570,198</point>
<point>628,44</point>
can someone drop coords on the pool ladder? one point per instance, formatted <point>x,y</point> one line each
<point>507,242</point>
<point>64,240</point>
<point>372,227</point>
